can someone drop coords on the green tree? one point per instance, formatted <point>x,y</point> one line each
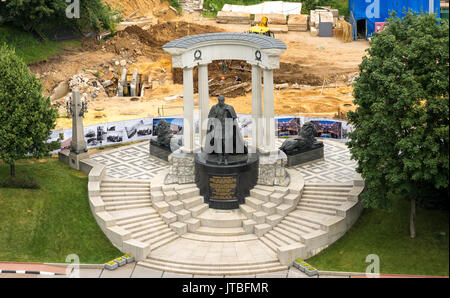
<point>308,5</point>
<point>401,136</point>
<point>35,14</point>
<point>26,116</point>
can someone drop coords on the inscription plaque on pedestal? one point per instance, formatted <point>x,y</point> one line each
<point>223,187</point>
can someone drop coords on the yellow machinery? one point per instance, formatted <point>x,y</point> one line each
<point>262,28</point>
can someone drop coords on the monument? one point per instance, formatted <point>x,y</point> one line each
<point>221,164</point>
<point>78,146</point>
<point>166,142</point>
<point>223,133</point>
<point>225,171</point>
<point>303,148</point>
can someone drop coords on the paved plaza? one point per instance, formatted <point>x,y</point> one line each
<point>134,162</point>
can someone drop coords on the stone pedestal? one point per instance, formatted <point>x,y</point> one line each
<point>272,169</point>
<point>182,168</point>
<point>305,157</point>
<point>74,159</point>
<point>159,151</point>
<point>226,186</point>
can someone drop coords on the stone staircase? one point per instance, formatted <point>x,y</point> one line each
<point>124,211</point>
<point>154,221</point>
<point>120,194</point>
<point>191,5</point>
<point>309,221</point>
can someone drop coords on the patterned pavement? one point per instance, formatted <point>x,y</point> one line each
<point>130,162</point>
<point>336,166</point>
<point>134,162</point>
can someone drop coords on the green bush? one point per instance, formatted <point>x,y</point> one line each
<point>40,14</point>
<point>20,182</point>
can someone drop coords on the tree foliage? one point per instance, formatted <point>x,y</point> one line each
<point>33,14</point>
<point>26,116</point>
<point>308,5</point>
<point>401,136</point>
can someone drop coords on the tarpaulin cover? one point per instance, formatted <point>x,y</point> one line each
<point>378,10</point>
<point>281,7</point>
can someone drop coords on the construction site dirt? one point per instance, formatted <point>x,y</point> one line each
<point>314,78</point>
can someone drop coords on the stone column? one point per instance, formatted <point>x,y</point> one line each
<point>188,102</point>
<point>269,111</point>
<point>78,143</point>
<point>78,146</point>
<point>203,100</point>
<point>256,106</point>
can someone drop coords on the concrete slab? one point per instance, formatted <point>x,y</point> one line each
<point>278,274</point>
<point>175,275</point>
<point>295,273</point>
<point>121,272</point>
<point>90,273</point>
<point>143,272</point>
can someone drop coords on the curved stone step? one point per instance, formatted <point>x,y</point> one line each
<point>126,202</point>
<point>326,193</point>
<point>283,238</point>
<point>254,203</point>
<point>294,237</point>
<point>269,243</point>
<point>124,185</point>
<point>156,235</point>
<point>124,194</point>
<point>220,231</point>
<point>316,210</point>
<point>128,198</point>
<point>197,210</point>
<point>150,233</point>
<point>124,217</point>
<point>322,202</point>
<point>278,242</point>
<point>293,217</point>
<point>201,269</point>
<point>221,218</point>
<point>294,225</point>
<point>317,206</point>
<point>124,190</point>
<point>146,227</point>
<point>313,184</point>
<point>291,230</point>
<point>205,238</point>
<point>129,224</point>
<point>192,202</point>
<point>163,241</point>
<point>327,198</point>
<point>127,207</point>
<point>337,190</point>
<point>119,180</point>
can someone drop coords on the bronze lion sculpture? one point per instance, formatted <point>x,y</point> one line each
<point>304,142</point>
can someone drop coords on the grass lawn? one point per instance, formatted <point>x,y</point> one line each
<point>387,235</point>
<point>29,48</point>
<point>47,224</point>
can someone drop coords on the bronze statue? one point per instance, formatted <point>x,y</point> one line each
<point>223,134</point>
<point>304,142</point>
<point>166,138</point>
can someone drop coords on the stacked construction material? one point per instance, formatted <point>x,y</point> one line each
<point>322,22</point>
<point>274,18</point>
<point>298,22</point>
<point>226,17</point>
